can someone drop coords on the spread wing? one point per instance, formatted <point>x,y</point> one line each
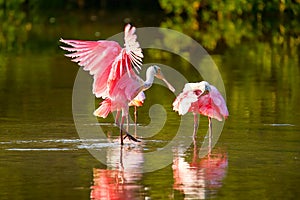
<point>133,49</point>
<point>107,61</point>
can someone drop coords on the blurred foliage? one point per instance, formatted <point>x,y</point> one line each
<point>22,20</point>
<point>14,27</point>
<point>223,22</point>
<point>19,17</point>
<point>215,24</point>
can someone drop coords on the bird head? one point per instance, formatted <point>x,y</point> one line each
<point>156,71</point>
<point>204,87</point>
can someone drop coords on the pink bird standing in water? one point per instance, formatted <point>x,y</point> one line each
<point>126,89</point>
<point>201,98</point>
<point>113,69</point>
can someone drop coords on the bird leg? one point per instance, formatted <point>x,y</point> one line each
<point>117,118</point>
<point>121,128</point>
<point>196,123</point>
<point>209,134</point>
<point>130,137</point>
<point>135,120</point>
<point>127,127</point>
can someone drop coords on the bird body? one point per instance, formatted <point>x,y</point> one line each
<point>108,63</point>
<point>114,72</point>
<point>138,100</point>
<point>125,92</point>
<point>201,98</point>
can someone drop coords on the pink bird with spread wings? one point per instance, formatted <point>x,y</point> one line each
<point>114,71</point>
<point>201,98</point>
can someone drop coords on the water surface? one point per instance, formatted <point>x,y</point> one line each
<point>257,155</point>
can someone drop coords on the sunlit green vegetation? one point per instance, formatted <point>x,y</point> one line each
<point>14,24</point>
<point>230,22</point>
<point>213,23</point>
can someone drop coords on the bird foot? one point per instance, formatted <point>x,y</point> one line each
<point>130,137</point>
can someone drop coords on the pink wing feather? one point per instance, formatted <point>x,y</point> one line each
<point>106,60</point>
<point>184,101</point>
<point>213,105</point>
<point>133,48</point>
<point>219,101</point>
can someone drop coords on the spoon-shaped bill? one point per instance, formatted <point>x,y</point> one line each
<point>169,85</point>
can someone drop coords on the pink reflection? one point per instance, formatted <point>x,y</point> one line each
<point>119,181</point>
<point>111,184</point>
<point>199,178</point>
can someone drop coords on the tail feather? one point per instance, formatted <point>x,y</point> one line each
<point>104,109</point>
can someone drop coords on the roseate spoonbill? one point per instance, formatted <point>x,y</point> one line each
<point>201,98</point>
<point>126,89</point>
<point>108,62</point>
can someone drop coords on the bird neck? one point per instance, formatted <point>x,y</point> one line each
<point>149,78</point>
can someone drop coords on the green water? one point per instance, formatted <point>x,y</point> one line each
<point>257,155</point>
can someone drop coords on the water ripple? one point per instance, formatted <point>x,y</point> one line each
<point>279,124</point>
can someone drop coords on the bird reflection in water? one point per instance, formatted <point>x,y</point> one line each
<point>202,177</point>
<point>119,180</point>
